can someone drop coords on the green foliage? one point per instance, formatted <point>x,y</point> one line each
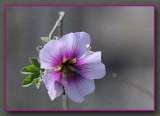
<point>39,48</point>
<point>34,61</point>
<point>38,81</point>
<point>30,79</point>
<point>56,38</point>
<point>35,73</point>
<point>45,39</point>
<point>30,69</point>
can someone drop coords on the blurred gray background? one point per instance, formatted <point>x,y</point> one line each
<point>123,34</point>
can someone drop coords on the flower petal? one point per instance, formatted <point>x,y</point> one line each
<point>53,82</point>
<point>90,65</point>
<point>77,87</point>
<point>76,44</point>
<point>52,54</point>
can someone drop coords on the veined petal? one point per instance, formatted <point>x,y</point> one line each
<point>76,44</point>
<point>53,82</point>
<point>90,65</point>
<point>52,54</point>
<point>77,87</point>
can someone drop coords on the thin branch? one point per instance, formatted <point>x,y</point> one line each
<point>58,23</point>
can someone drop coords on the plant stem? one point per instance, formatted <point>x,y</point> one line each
<point>58,24</point>
<point>64,100</point>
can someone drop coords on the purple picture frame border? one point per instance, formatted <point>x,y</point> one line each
<point>71,6</point>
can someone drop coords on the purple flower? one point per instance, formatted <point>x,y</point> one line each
<point>70,56</point>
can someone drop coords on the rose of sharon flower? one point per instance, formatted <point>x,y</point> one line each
<point>70,57</point>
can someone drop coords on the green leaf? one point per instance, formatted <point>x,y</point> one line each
<point>35,61</point>
<point>38,81</point>
<point>42,70</point>
<point>39,48</point>
<point>56,38</point>
<point>72,68</point>
<point>35,73</point>
<point>45,39</point>
<point>30,69</point>
<point>30,79</point>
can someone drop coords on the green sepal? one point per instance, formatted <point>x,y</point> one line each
<point>56,38</point>
<point>45,39</point>
<point>39,48</point>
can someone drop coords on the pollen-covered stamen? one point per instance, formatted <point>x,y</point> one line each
<point>59,67</point>
<point>89,48</point>
<point>73,60</point>
<point>67,63</point>
<point>64,60</point>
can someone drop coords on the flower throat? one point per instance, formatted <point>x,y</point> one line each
<point>67,64</point>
